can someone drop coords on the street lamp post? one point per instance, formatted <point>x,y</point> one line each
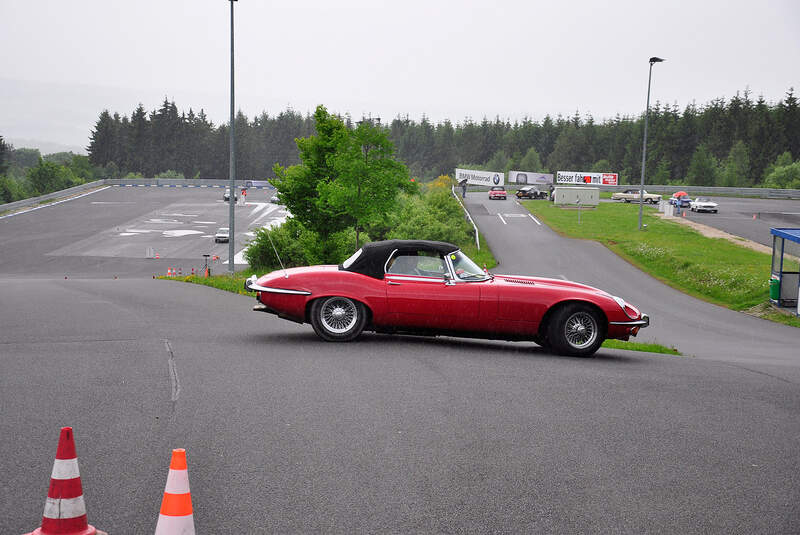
<point>654,59</point>
<point>232,170</point>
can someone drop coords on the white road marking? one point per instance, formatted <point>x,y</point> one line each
<point>179,233</point>
<point>113,202</point>
<point>180,215</point>
<point>514,215</point>
<point>205,222</point>
<point>501,219</point>
<point>534,219</point>
<point>54,203</point>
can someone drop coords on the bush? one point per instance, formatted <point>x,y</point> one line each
<point>298,246</point>
<point>169,173</point>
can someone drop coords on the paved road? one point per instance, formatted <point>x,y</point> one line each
<point>289,434</point>
<point>750,218</point>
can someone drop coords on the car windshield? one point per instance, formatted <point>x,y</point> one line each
<point>465,268</point>
<point>703,199</point>
<point>497,188</point>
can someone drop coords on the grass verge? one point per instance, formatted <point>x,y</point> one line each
<point>712,269</point>
<point>638,346</point>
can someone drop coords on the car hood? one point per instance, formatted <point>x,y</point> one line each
<point>518,280</point>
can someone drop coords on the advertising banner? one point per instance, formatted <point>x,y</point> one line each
<point>600,179</point>
<point>522,178</point>
<point>480,178</point>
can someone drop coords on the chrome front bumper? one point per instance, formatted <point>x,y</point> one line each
<point>641,323</point>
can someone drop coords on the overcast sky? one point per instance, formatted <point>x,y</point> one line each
<point>64,62</point>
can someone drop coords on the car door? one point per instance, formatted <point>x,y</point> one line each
<point>419,296</point>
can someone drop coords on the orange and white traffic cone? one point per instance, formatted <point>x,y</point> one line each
<point>64,509</point>
<point>176,516</point>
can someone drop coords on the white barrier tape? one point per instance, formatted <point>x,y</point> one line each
<point>55,508</point>
<point>65,469</point>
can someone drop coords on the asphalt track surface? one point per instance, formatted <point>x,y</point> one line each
<point>749,218</point>
<point>288,434</point>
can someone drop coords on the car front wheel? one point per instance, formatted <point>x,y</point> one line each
<point>338,319</point>
<point>577,330</point>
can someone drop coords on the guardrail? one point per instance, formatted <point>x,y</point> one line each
<point>69,192</point>
<point>477,238</point>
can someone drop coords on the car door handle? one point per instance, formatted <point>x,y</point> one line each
<point>395,283</point>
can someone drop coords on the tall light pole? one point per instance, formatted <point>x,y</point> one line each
<point>232,197</point>
<point>644,143</point>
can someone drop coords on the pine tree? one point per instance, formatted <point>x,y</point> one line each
<point>736,169</point>
<point>703,168</point>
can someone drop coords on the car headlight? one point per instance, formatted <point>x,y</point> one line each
<point>629,310</point>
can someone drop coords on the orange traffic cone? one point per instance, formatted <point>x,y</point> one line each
<point>176,515</point>
<point>157,257</point>
<point>64,509</point>
<point>683,214</point>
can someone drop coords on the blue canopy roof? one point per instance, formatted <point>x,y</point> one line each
<point>791,234</point>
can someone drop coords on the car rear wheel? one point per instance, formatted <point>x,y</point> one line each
<point>338,319</point>
<point>576,329</point>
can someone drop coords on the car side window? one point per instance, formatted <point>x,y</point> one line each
<point>421,263</point>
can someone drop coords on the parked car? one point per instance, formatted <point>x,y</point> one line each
<point>227,195</point>
<point>632,195</point>
<point>530,192</point>
<point>223,235</point>
<point>497,192</point>
<point>683,201</point>
<point>432,288</point>
<point>703,204</point>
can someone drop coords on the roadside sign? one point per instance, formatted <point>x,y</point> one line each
<point>577,177</point>
<point>480,178</point>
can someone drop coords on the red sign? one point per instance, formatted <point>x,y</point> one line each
<point>610,179</point>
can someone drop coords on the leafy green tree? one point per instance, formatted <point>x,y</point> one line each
<point>10,190</point>
<point>531,162</point>
<point>299,185</point>
<point>48,177</point>
<point>736,168</point>
<point>601,166</point>
<point>25,158</point>
<point>498,162</point>
<point>703,168</point>
<point>368,177</point>
<point>784,177</point>
<point>82,168</point>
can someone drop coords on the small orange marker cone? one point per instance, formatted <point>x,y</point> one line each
<point>683,214</point>
<point>157,257</point>
<point>754,216</point>
<point>176,516</point>
<point>64,509</point>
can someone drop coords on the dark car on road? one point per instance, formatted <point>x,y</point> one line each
<point>530,192</point>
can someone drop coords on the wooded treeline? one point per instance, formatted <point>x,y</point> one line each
<point>724,142</point>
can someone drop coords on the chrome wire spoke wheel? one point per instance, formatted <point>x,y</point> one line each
<point>338,315</point>
<point>580,330</point>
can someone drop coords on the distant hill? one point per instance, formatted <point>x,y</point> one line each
<point>45,147</point>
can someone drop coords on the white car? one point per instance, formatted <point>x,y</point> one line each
<point>703,204</point>
<point>222,235</point>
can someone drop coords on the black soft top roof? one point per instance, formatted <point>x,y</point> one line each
<point>375,254</point>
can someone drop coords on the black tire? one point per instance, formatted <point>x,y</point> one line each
<point>576,330</point>
<point>338,319</point>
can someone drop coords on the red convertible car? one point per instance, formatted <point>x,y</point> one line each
<point>432,288</point>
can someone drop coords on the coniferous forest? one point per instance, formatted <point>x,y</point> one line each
<point>733,142</point>
<point>739,142</point>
